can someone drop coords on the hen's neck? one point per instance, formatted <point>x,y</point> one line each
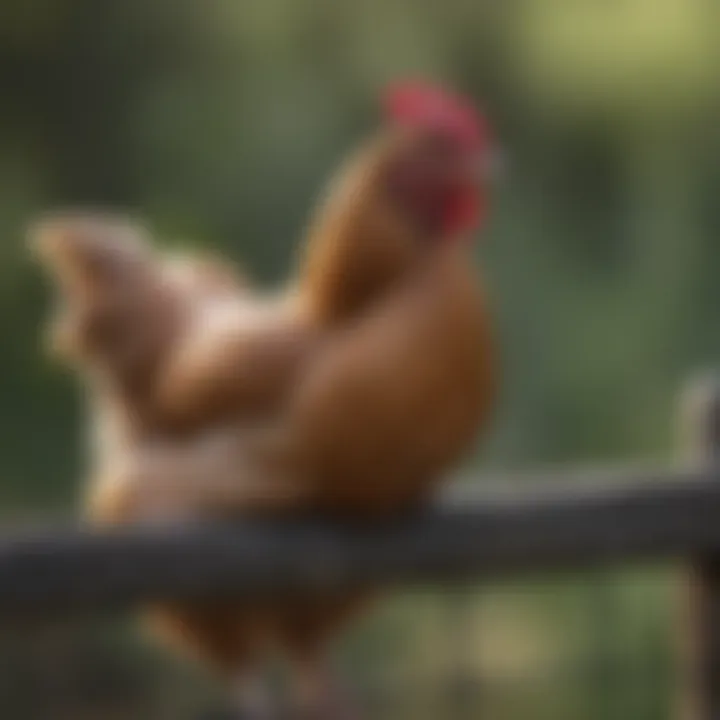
<point>358,246</point>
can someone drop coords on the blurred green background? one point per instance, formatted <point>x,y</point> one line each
<point>220,120</point>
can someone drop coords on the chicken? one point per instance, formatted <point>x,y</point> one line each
<point>373,279</point>
<point>351,392</point>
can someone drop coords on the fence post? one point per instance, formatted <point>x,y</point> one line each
<point>700,697</point>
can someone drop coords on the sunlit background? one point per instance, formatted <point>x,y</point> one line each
<point>219,121</point>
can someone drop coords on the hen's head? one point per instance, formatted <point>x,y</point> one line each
<point>438,169</point>
<point>419,182</point>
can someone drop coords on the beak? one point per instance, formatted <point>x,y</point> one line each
<point>492,165</point>
<point>489,166</point>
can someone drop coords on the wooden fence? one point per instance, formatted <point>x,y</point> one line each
<point>529,527</point>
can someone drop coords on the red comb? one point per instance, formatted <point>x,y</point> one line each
<point>415,104</point>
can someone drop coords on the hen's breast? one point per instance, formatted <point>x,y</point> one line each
<point>395,403</point>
